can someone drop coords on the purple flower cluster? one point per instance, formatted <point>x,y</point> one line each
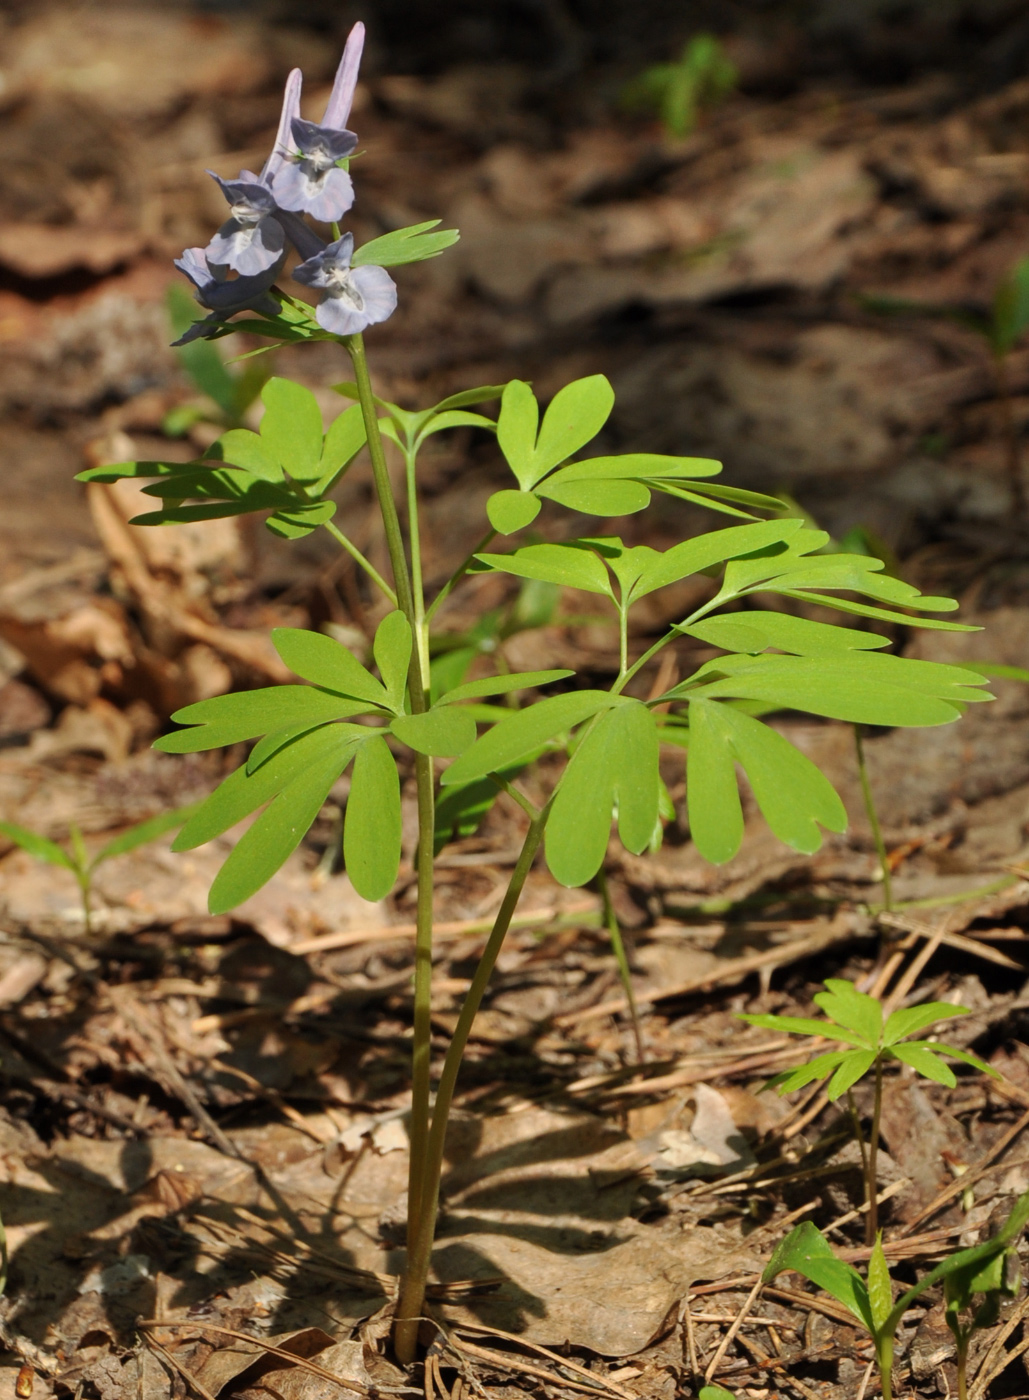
<point>303,175</point>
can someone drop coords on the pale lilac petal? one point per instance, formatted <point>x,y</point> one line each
<point>290,110</point>
<point>326,196</point>
<point>367,296</point>
<point>247,249</point>
<point>323,145</point>
<point>194,264</point>
<point>248,198</point>
<point>341,98</point>
<point>327,265</point>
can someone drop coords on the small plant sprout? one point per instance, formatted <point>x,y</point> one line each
<point>437,705</point>
<point>992,1281</point>
<point>76,857</point>
<point>856,1019</point>
<point>679,92</point>
<point>806,1251</point>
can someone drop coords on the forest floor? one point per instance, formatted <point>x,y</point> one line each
<point>203,1118</point>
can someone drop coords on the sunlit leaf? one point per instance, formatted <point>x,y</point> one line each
<point>371,829</point>
<point>440,732</point>
<point>518,734</point>
<point>292,427</point>
<point>327,663</point>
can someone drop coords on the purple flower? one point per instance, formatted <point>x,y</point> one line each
<point>308,179</point>
<point>224,296</point>
<point>251,239</point>
<point>354,297</point>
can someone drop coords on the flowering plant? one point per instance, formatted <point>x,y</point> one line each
<point>407,703</point>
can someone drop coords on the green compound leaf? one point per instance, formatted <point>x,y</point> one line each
<point>880,1291</point>
<point>440,422</point>
<point>863,688</point>
<point>343,441</point>
<point>371,829</point>
<point>295,524</point>
<point>485,393</point>
<point>265,748</point>
<point>242,793</point>
<point>264,847</point>
<point>327,663</point>
<point>291,428</point>
<point>502,685</point>
<point>516,430</point>
<point>821,1067</point>
<point>392,652</point>
<point>715,1392</point>
<point>853,1067</point>
<point>569,565</point>
<point>514,737</point>
<point>187,515</point>
<point>228,719</point>
<point>808,1253</point>
<point>615,765</point>
<point>598,497</point>
<point>922,1058</point>
<point>121,471</point>
<point>36,845</point>
<point>857,1011</point>
<point>967,1058</point>
<point>712,797</point>
<point>509,511</point>
<point>143,832</point>
<point>643,466</point>
<point>245,449</point>
<point>705,551</point>
<point>804,1025</point>
<point>755,631</point>
<point>792,793</point>
<point>439,732</point>
<point>912,1019</point>
<point>406,245</point>
<point>575,416</point>
<point>222,484</point>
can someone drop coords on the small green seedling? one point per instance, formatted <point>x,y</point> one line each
<point>856,1019</point>
<point>715,1392</point>
<point>806,1251</point>
<point>680,91</point>
<point>999,1278</point>
<point>77,859</point>
<point>225,395</point>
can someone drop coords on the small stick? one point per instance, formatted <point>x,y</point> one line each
<point>187,1376</point>
<point>261,1344</point>
<point>690,1337</point>
<point>726,1341</point>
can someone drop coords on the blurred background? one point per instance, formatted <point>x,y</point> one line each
<point>785,230</point>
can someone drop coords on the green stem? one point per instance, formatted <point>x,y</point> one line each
<point>624,679</point>
<point>529,808</point>
<point>884,1356</point>
<point>963,1341</point>
<point>421,632</point>
<point>420,1217</point>
<point>855,1122</point>
<point>873,820</point>
<point>614,930</point>
<point>458,575</point>
<point>623,640</point>
<point>872,1180</point>
<point>360,559</point>
<point>383,488</point>
<point>412,1295</point>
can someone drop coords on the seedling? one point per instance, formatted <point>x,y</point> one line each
<point>806,1251</point>
<point>680,92</point>
<point>601,746</point>
<point>76,857</point>
<point>994,1280</point>
<point>856,1019</point>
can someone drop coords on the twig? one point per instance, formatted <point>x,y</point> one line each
<point>562,1361</point>
<point>967,1178</point>
<point>985,1376</point>
<point>519,1367</point>
<point>726,1341</point>
<point>301,1361</point>
<point>734,971</point>
<point>154,1345</point>
<point>454,928</point>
